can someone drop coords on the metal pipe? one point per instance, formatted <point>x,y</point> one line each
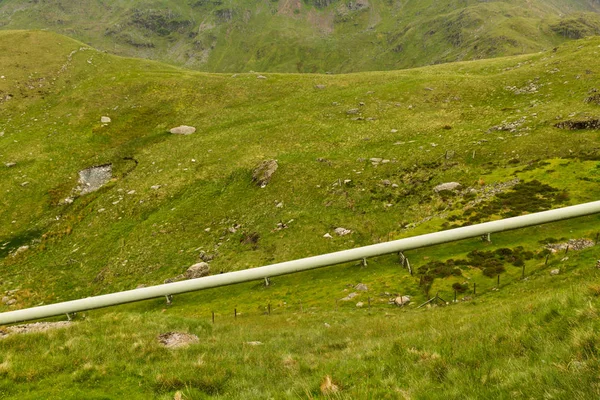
<point>303,264</point>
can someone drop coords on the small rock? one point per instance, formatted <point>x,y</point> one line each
<point>11,302</point>
<point>10,164</point>
<point>105,120</point>
<point>555,272</point>
<point>327,235</point>
<point>386,182</point>
<point>131,192</point>
<point>198,270</point>
<point>327,325</point>
<point>5,299</point>
<point>205,256</point>
<point>183,130</point>
<point>350,296</point>
<point>352,111</point>
<point>24,184</point>
<point>279,205</point>
<point>321,87</point>
<point>375,160</point>
<point>20,250</point>
<point>447,186</point>
<point>328,387</point>
<point>261,77</point>
<point>263,173</point>
<point>402,300</point>
<point>342,231</point>
<point>155,187</point>
<point>173,340</point>
<point>360,304</point>
<point>394,131</point>
<point>361,287</point>
<point>254,343</point>
<point>395,185</point>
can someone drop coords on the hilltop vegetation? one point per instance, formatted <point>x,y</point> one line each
<point>310,35</point>
<point>359,151</point>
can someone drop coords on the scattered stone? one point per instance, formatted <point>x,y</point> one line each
<point>352,111</point>
<point>105,120</point>
<point>360,304</point>
<point>350,296</point>
<point>155,187</point>
<point>68,200</point>
<point>395,186</point>
<point>205,256</point>
<point>33,328</point>
<point>261,77</point>
<point>509,126</point>
<point>402,300</point>
<point>361,287</point>
<point>254,343</point>
<point>131,192</point>
<point>93,178</point>
<point>447,186</point>
<point>342,231</point>
<point>327,325</point>
<point>327,235</point>
<point>10,164</point>
<point>173,340</point>
<point>24,184</point>
<point>386,182</point>
<point>279,205</point>
<point>6,299</point>
<point>11,302</point>
<point>555,272</point>
<point>572,244</point>
<point>263,173</point>
<point>198,270</point>
<point>183,130</point>
<point>320,87</point>
<point>394,131</point>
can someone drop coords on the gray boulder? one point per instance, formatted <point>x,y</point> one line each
<point>263,173</point>
<point>197,271</point>
<point>447,186</point>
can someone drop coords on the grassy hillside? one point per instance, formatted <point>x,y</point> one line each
<point>173,198</point>
<point>310,35</point>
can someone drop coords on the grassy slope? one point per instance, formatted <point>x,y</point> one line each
<point>52,129</point>
<point>309,36</point>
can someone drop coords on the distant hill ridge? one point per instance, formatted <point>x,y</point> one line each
<point>310,35</point>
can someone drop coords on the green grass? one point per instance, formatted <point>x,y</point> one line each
<point>308,36</point>
<point>530,339</point>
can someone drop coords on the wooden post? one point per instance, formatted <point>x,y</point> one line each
<point>235,313</point>
<point>546,263</point>
<point>567,249</point>
<point>455,295</point>
<point>213,317</point>
<point>523,273</point>
<point>269,308</point>
<point>498,285</point>
<point>364,262</point>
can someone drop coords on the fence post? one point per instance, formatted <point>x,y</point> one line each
<point>213,317</point>
<point>498,285</point>
<point>269,308</point>
<point>235,313</point>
